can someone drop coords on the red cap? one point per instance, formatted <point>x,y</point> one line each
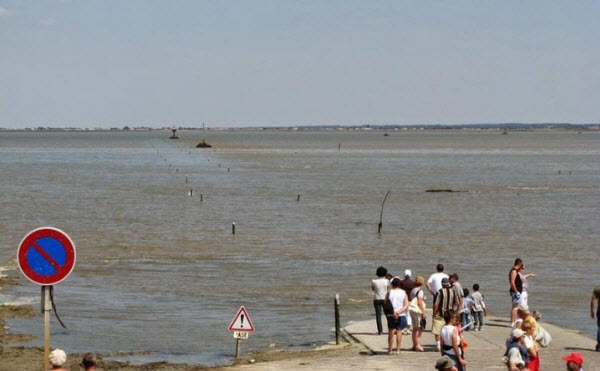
<point>574,357</point>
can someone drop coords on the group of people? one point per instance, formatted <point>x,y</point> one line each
<point>456,310</point>
<point>58,358</point>
<point>403,300</point>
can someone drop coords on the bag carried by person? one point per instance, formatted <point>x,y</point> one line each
<point>413,306</point>
<point>543,337</point>
<point>388,308</point>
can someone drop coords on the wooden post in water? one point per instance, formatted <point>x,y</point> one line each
<point>201,197</point>
<point>298,198</point>
<point>233,228</point>
<point>337,318</point>
<point>381,215</point>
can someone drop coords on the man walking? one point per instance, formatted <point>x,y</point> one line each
<point>596,300</point>
<point>445,300</point>
<point>516,287</point>
<point>458,290</point>
<point>434,283</point>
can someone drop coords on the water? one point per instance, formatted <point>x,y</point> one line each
<point>160,271</point>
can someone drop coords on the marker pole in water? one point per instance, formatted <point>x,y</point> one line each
<point>298,198</point>
<point>337,318</point>
<point>46,308</point>
<point>201,197</point>
<point>233,228</point>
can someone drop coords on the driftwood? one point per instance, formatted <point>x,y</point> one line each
<point>443,190</point>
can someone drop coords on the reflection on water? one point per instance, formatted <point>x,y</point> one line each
<point>158,270</point>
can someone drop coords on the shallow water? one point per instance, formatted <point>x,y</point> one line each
<point>158,270</point>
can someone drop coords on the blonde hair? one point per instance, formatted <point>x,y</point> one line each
<point>419,281</point>
<point>530,326</point>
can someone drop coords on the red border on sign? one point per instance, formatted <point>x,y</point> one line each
<point>30,239</point>
<point>240,311</point>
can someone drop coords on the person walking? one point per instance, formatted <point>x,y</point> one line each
<point>596,300</point>
<point>574,362</point>
<point>516,355</point>
<point>530,330</point>
<point>434,283</point>
<point>516,287</point>
<point>478,308</point>
<point>458,290</point>
<point>465,311</point>
<point>89,362</point>
<point>445,300</point>
<point>451,340</point>
<point>379,286</point>
<point>397,320</point>
<point>57,358</point>
<point>407,284</point>
<point>445,364</point>
<point>417,313</point>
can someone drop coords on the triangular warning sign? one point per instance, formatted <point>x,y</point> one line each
<point>241,321</point>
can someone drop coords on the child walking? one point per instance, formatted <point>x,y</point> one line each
<point>477,306</point>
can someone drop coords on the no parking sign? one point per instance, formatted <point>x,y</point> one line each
<point>46,256</point>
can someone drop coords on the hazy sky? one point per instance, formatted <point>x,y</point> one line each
<point>260,63</point>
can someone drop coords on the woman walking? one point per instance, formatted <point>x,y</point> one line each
<point>451,340</point>
<point>397,320</point>
<point>417,312</point>
<point>380,288</point>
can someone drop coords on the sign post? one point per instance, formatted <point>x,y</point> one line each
<point>46,256</point>
<point>241,325</point>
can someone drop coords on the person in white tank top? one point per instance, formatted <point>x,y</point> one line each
<point>450,338</point>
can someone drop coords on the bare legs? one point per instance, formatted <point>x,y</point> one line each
<point>391,333</point>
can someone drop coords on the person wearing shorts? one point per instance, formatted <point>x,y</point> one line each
<point>516,287</point>
<point>445,300</point>
<point>397,320</point>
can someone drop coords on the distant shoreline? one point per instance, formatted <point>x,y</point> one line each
<point>509,127</point>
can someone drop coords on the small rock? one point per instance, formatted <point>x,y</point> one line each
<point>251,360</point>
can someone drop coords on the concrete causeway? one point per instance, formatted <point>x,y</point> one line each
<point>485,351</point>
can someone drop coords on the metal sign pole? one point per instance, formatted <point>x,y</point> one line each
<point>47,308</point>
<point>238,348</point>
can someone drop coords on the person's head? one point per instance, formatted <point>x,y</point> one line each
<point>89,361</point>
<point>523,311</point>
<point>518,263</point>
<point>453,278</point>
<point>530,326</point>
<point>476,287</point>
<point>445,364</point>
<point>396,283</point>
<point>419,281</point>
<point>58,358</point>
<point>451,317</point>
<point>574,361</point>
<point>465,292</point>
<point>407,273</point>
<point>517,335</point>
<point>440,268</point>
<point>445,282</point>
<point>381,272</point>
<point>537,315</point>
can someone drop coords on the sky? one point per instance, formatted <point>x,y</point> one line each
<point>104,63</point>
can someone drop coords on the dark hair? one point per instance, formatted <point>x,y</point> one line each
<point>440,267</point>
<point>396,282</point>
<point>518,261</point>
<point>381,272</point>
<point>466,292</point>
<point>449,314</point>
<point>89,360</point>
<point>476,287</point>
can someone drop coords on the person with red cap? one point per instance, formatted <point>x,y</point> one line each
<point>574,362</point>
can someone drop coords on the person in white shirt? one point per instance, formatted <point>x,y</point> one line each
<point>380,288</point>
<point>434,283</point>
<point>397,320</point>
